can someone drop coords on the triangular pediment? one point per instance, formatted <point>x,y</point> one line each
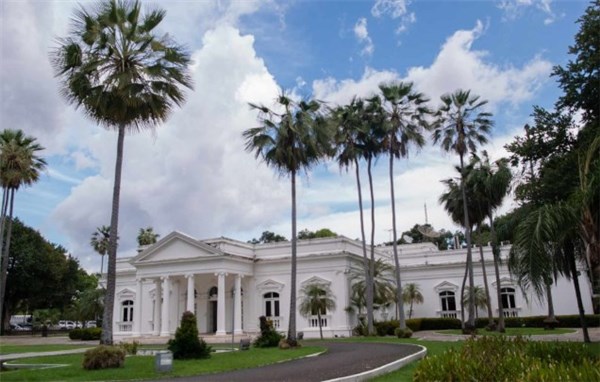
<point>316,280</point>
<point>504,282</point>
<point>270,285</point>
<point>445,285</point>
<point>176,246</point>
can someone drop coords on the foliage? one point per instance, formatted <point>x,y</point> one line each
<point>383,285</point>
<point>320,233</point>
<point>503,359</point>
<point>103,357</point>
<point>403,333</point>
<point>315,300</point>
<point>187,344</point>
<point>269,337</point>
<point>267,237</point>
<point>147,236</point>
<point>85,334</point>
<point>568,321</point>
<point>411,293</point>
<point>130,347</point>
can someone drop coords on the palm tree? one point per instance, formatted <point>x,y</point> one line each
<point>383,282</point>
<point>411,294</point>
<point>405,111</point>
<point>100,242</point>
<point>491,184</point>
<point>350,122</point>
<point>459,126</point>
<point>548,242</point>
<point>290,140</point>
<point>316,300</point>
<point>480,298</point>
<point>147,236</point>
<point>125,77</point>
<point>19,166</point>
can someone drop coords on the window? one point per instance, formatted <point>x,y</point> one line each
<point>448,301</point>
<point>508,298</point>
<point>127,311</point>
<point>271,304</point>
<point>213,293</point>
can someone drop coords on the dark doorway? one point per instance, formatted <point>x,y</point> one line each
<point>212,325</point>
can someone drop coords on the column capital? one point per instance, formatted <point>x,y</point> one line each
<point>189,275</point>
<point>239,276</point>
<point>163,278</point>
<point>221,274</point>
<point>139,279</point>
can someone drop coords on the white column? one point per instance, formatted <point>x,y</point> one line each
<point>157,307</point>
<point>237,318</point>
<point>221,304</point>
<point>190,293</point>
<point>137,309</point>
<point>164,324</point>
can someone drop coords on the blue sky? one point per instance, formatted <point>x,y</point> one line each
<point>192,174</point>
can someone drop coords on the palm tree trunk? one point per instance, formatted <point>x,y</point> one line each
<point>292,323</point>
<point>550,321</point>
<point>3,213</point>
<point>571,258</point>
<point>371,279</point>
<point>462,294</point>
<point>411,310</point>
<point>364,245</point>
<point>491,323</point>
<point>3,267</point>
<point>496,252</point>
<point>5,254</point>
<point>320,324</point>
<point>471,320</point>
<point>399,300</point>
<point>109,298</point>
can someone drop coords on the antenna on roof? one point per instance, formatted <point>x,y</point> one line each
<point>426,229</point>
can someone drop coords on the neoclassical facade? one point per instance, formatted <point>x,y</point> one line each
<point>228,284</point>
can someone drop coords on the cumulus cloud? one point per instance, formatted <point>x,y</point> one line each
<point>395,9</point>
<point>513,9</point>
<point>362,35</point>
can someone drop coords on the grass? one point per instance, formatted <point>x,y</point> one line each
<point>142,367</point>
<point>513,332</point>
<point>13,349</point>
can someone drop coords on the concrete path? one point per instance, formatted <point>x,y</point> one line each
<point>16,356</point>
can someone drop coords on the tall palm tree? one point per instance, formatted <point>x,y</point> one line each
<point>411,294</point>
<point>147,236</point>
<point>480,298</point>
<point>100,241</point>
<point>490,184</point>
<point>20,165</point>
<point>349,121</point>
<point>125,77</point>
<point>404,112</point>
<point>316,300</point>
<point>383,282</point>
<point>459,127</point>
<point>291,138</point>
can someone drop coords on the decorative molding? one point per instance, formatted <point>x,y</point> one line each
<point>505,282</point>
<point>126,294</point>
<point>270,286</point>
<point>316,280</point>
<point>445,286</point>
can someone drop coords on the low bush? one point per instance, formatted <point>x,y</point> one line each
<point>90,334</point>
<point>187,344</point>
<point>414,324</point>
<point>76,334</point>
<point>268,335</point>
<point>386,328</point>
<point>439,323</point>
<point>403,333</point>
<point>129,347</point>
<point>103,357</point>
<point>504,359</point>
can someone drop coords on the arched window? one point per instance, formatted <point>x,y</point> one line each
<point>448,301</point>
<point>508,298</point>
<point>213,293</point>
<point>271,304</point>
<point>127,311</point>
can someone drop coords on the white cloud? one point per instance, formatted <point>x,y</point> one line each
<point>362,35</point>
<point>513,9</point>
<point>396,9</point>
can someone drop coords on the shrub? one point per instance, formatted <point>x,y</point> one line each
<point>268,335</point>
<point>386,328</point>
<point>503,359</point>
<point>129,347</point>
<point>439,323</point>
<point>76,334</point>
<point>403,333</point>
<point>187,344</point>
<point>103,357</point>
<point>89,334</point>
<point>414,324</point>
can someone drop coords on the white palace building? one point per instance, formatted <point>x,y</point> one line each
<point>228,284</point>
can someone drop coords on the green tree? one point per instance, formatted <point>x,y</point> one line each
<point>480,298</point>
<point>383,284</point>
<point>20,165</point>
<point>147,236</point>
<point>125,77</point>
<point>100,241</point>
<point>290,140</point>
<point>268,237</point>
<point>411,294</point>
<point>316,300</point>
<point>459,127</point>
<point>320,233</point>
<point>187,344</point>
<point>404,113</point>
<point>351,126</point>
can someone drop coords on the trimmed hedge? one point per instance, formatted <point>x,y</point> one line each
<point>87,334</point>
<point>570,321</point>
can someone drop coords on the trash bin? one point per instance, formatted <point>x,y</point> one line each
<point>44,331</point>
<point>244,344</point>
<point>163,361</point>
<point>300,335</point>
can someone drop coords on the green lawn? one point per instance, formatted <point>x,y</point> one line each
<point>142,367</point>
<point>12,349</point>
<point>513,332</point>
